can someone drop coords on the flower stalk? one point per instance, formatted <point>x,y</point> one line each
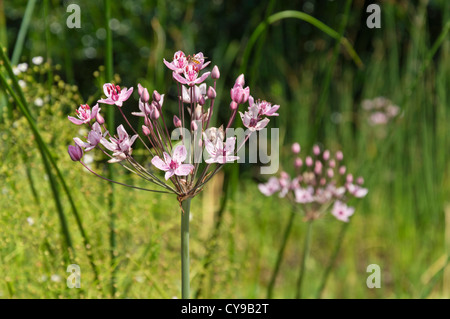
<point>306,248</point>
<point>185,214</point>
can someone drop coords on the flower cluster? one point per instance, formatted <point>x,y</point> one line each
<point>380,110</point>
<point>179,154</point>
<point>321,180</point>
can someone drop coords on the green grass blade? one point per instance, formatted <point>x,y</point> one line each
<point>18,47</point>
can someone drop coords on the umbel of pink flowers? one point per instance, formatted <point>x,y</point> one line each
<point>183,174</point>
<point>321,181</point>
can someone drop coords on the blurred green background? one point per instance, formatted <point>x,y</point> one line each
<point>403,225</point>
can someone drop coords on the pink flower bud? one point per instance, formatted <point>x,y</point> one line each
<point>318,168</point>
<point>194,126</point>
<point>339,156</point>
<point>330,173</point>
<point>326,155</point>
<point>298,162</point>
<point>145,130</point>
<point>295,148</point>
<point>201,100</point>
<point>100,119</point>
<point>215,74</point>
<point>154,115</point>
<point>309,161</point>
<point>316,150</point>
<point>156,96</point>
<point>349,178</point>
<point>323,181</point>
<point>233,105</point>
<point>75,152</point>
<point>211,93</point>
<point>239,94</point>
<point>140,89</point>
<point>240,80</point>
<point>145,96</point>
<point>360,180</point>
<point>342,170</point>
<point>176,121</point>
<point>156,105</point>
<point>332,163</point>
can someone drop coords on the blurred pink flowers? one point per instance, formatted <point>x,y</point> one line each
<point>85,114</point>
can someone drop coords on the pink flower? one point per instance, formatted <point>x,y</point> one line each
<point>219,151</point>
<point>199,60</point>
<point>357,190</point>
<point>173,165</point>
<point>304,195</point>
<point>94,137</point>
<point>178,63</point>
<point>121,146</point>
<point>264,107</point>
<point>75,152</point>
<point>341,211</point>
<point>191,72</point>
<point>84,114</point>
<point>148,109</point>
<point>272,186</point>
<point>285,183</point>
<point>115,95</point>
<point>252,121</point>
<point>239,94</point>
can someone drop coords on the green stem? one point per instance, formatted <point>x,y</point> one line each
<point>286,234</point>
<point>186,209</point>
<point>23,32</point>
<point>337,248</point>
<point>304,257</point>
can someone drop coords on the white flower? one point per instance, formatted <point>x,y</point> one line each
<point>39,102</point>
<point>37,60</point>
<point>30,221</point>
<point>22,67</point>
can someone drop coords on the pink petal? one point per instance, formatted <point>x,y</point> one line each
<point>230,144</point>
<point>125,94</point>
<point>95,110</point>
<point>75,121</point>
<point>167,158</point>
<point>107,101</point>
<point>179,154</point>
<point>232,158</point>
<point>169,65</point>
<point>122,133</point>
<point>202,78</point>
<point>184,169</point>
<point>179,78</point>
<point>262,124</point>
<point>156,161</point>
<point>169,174</point>
<point>105,89</point>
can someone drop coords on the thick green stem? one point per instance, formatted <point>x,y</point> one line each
<point>186,209</point>
<point>286,234</point>
<point>304,257</point>
<point>337,248</point>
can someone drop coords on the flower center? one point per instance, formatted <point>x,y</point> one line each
<point>173,164</point>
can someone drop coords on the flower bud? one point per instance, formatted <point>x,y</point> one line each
<point>75,152</point>
<point>194,126</point>
<point>298,162</point>
<point>140,89</point>
<point>342,170</point>
<point>309,161</point>
<point>176,121</point>
<point>156,96</point>
<point>339,156</point>
<point>148,122</point>
<point>240,80</point>
<point>100,119</point>
<point>330,173</point>
<point>360,180</point>
<point>145,130</point>
<point>154,115</point>
<point>145,95</point>
<point>349,178</point>
<point>295,148</point>
<point>233,105</point>
<point>215,74</point>
<point>326,155</point>
<point>316,150</point>
<point>332,163</point>
<point>211,93</point>
<point>201,100</point>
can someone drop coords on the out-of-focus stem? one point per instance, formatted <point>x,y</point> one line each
<point>286,234</point>
<point>306,247</point>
